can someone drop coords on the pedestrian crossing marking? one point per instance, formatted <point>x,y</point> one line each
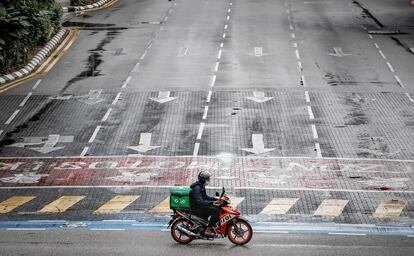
<point>279,206</point>
<point>61,204</point>
<point>116,204</point>
<point>235,201</point>
<point>164,206</point>
<point>390,209</point>
<point>14,202</point>
<point>331,207</point>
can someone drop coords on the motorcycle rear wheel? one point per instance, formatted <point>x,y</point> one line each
<point>240,232</point>
<point>179,236</point>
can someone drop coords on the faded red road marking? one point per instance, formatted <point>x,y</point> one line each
<point>263,172</point>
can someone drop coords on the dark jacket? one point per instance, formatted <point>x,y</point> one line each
<point>198,196</point>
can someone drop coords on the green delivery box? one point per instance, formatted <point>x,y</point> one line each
<point>180,198</point>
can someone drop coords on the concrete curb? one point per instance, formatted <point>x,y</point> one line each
<point>37,60</point>
<point>85,7</point>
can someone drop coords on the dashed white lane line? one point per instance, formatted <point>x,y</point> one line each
<point>302,77</point>
<point>95,133</point>
<point>300,65</point>
<point>216,67</point>
<point>307,96</point>
<point>290,27</point>
<point>287,11</point>
<point>107,115</point>
<point>314,131</point>
<point>209,96</point>
<point>135,69</point>
<point>289,17</point>
<point>224,35</point>
<point>318,150</point>
<point>229,10</point>
<point>36,84</point>
<point>126,82</point>
<point>376,46</point>
<point>213,81</point>
<point>196,148</point>
<point>219,54</point>
<point>84,151</point>
<point>225,27</point>
<point>390,67</point>
<point>297,54</point>
<point>204,114</point>
<point>370,37</point>
<point>221,45</point>
<point>293,35</point>
<point>295,45</point>
<point>25,99</point>
<point>310,112</point>
<point>399,81</point>
<point>8,121</point>
<point>408,95</point>
<point>166,18</point>
<point>228,17</point>
<point>382,54</point>
<point>200,130</point>
<point>25,229</point>
<point>116,98</point>
<point>230,3</point>
<point>143,55</point>
<point>170,11</point>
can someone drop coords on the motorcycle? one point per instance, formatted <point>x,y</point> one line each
<point>185,227</point>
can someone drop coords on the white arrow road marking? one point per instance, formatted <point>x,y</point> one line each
<point>163,97</point>
<point>144,143</point>
<point>339,52</point>
<point>258,52</point>
<point>259,97</point>
<point>49,145</point>
<point>258,145</point>
<point>93,97</point>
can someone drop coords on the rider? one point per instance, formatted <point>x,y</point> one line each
<point>203,205</point>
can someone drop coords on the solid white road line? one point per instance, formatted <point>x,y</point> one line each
<point>219,54</point>
<point>204,114</point>
<point>25,99</point>
<point>213,81</point>
<point>36,84</point>
<point>399,81</point>
<point>311,116</point>
<point>116,98</point>
<point>314,131</point>
<point>200,130</point>
<point>126,82</point>
<point>382,54</point>
<point>307,96</point>
<point>216,67</point>
<point>346,234</point>
<point>408,95</point>
<point>12,117</point>
<point>390,67</point>
<point>84,151</point>
<point>209,96</point>
<point>196,148</point>
<point>107,115</point>
<point>318,150</point>
<point>95,133</point>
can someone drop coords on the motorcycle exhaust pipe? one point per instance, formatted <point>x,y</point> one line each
<point>187,232</point>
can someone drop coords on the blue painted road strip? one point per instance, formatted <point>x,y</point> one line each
<point>260,227</point>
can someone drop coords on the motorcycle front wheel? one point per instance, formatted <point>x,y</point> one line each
<point>178,235</point>
<point>240,232</point>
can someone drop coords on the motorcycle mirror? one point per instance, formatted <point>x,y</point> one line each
<point>217,193</point>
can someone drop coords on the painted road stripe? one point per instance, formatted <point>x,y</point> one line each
<point>213,81</point>
<point>135,69</point>
<point>221,45</point>
<point>407,94</point>
<point>116,204</point>
<point>25,99</point>
<point>164,206</point>
<point>318,150</point>
<point>216,67</point>
<point>37,84</point>
<point>12,117</point>
<point>300,65</point>
<point>307,96</point>
<point>225,27</point>
<point>61,204</point>
<point>302,77</point>
<point>107,115</point>
<point>346,234</point>
<point>399,81</point>
<point>200,130</point>
<point>331,207</point>
<point>209,96</point>
<point>390,209</point>
<point>219,54</point>
<point>314,131</point>
<point>297,54</point>
<point>116,98</point>
<point>370,37</point>
<point>84,151</point>
<point>293,35</point>
<point>204,114</point>
<point>95,133</point>
<point>25,229</point>
<point>224,35</point>
<point>279,206</point>
<point>228,17</point>
<point>390,67</point>
<point>382,54</point>
<point>295,45</point>
<point>376,46</point>
<point>14,202</point>
<point>126,82</point>
<point>310,112</point>
<point>196,148</point>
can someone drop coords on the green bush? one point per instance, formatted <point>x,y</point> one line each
<point>82,2</point>
<point>24,26</point>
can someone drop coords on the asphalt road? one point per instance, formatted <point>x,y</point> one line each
<point>160,243</point>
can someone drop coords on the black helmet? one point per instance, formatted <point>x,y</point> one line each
<point>204,176</point>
